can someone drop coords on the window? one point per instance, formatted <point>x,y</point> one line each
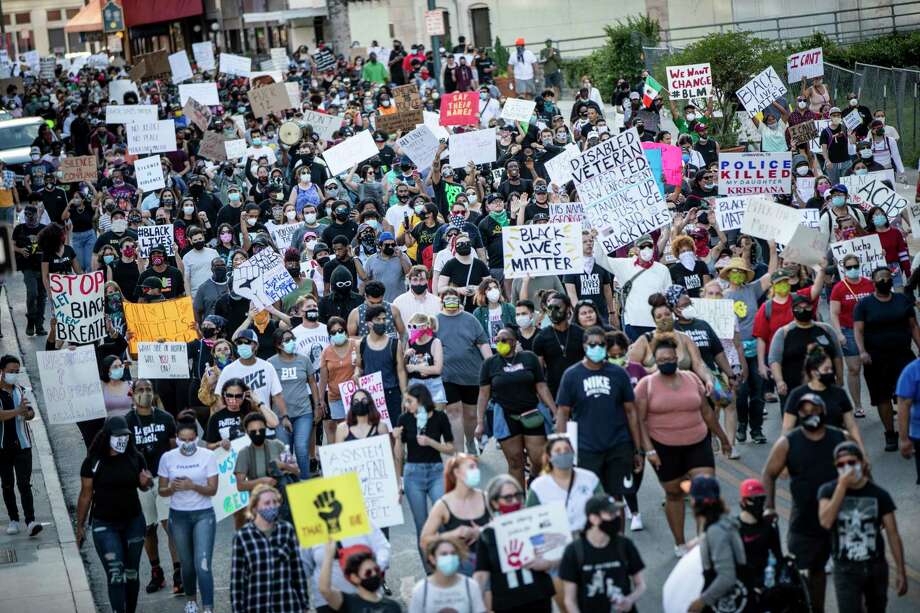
<point>23,18</point>
<point>57,41</point>
<point>71,13</point>
<point>7,19</point>
<point>24,41</point>
<point>54,15</point>
<point>74,42</point>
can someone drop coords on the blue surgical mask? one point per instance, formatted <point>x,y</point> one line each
<point>861,171</point>
<point>108,259</point>
<point>245,351</point>
<point>116,374</point>
<point>448,564</point>
<point>257,142</point>
<point>853,275</point>
<point>289,346</point>
<point>472,477</point>
<point>596,354</point>
<point>879,220</point>
<point>838,201</point>
<point>339,338</point>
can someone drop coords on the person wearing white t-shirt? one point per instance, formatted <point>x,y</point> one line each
<point>521,63</point>
<point>259,375</point>
<point>311,336</point>
<point>188,476</point>
<point>489,108</point>
<point>197,261</point>
<point>418,299</point>
<point>446,589</point>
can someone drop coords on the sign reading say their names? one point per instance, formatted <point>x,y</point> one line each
<point>477,146</point>
<point>769,220</point>
<point>690,81</point>
<point>78,303</point>
<point>154,236</point>
<point>518,109</point>
<point>70,385</point>
<point>78,168</point>
<point>867,248</point>
<point>730,212</point>
<point>151,137</point>
<point>758,93</point>
<point>805,64</point>
<point>718,313</point>
<point>130,113</point>
<point>521,536</point>
<point>263,279</point>
<point>540,250</point>
<point>459,109</point>
<point>162,360</point>
<point>149,174</point>
<point>755,172</point>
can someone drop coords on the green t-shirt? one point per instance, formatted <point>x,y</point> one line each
<point>375,72</point>
<point>551,64</point>
<point>684,128</point>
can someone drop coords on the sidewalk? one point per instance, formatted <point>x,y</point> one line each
<point>44,573</point>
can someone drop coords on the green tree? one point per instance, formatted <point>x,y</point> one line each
<point>500,55</point>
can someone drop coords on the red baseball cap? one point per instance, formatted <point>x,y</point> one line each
<point>752,487</point>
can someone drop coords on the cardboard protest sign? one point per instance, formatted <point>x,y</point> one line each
<point>518,109</point>
<point>46,70</point>
<point>805,64</point>
<point>269,99</point>
<point>293,92</point>
<point>151,137</point>
<point>807,246</point>
<point>212,147</point>
<point>162,360</point>
<point>804,132</point>
<point>197,113</point>
<point>371,459</point>
<point>398,122</point>
<point>407,98</point>
<point>852,120</point>
<point>263,279</point>
<point>521,536</point>
<point>149,174</point>
<point>235,65</point>
<point>619,194</point>
<point>671,163</point>
<point>913,215</point>
<point>204,55</point>
<point>169,320</point>
<point>154,236</point>
<point>156,63</point>
<point>562,212</point>
<point>420,145</point>
<point>282,235</point>
<point>78,304</point>
<point>328,508</point>
<point>78,168</point>
<point>815,143</point>
<point>769,220</point>
<point>755,172</point>
<point>228,499</point>
<point>323,124</point>
<point>235,149</point>
<point>477,146</point>
<point>459,109</point>
<point>873,193</point>
<point>690,81</point>
<point>118,88</point>
<point>353,150</point>
<point>204,93</point>
<point>180,67</point>
<point>758,93</point>
<point>540,250</point>
<point>130,113</point>
<point>730,212</point>
<point>70,385</point>
<point>372,384</point>
<point>718,313</point>
<point>867,248</point>
<point>559,167</point>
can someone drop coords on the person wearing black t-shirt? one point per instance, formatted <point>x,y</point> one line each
<point>173,284</point>
<point>759,532</point>
<point>54,199</point>
<point>363,572</point>
<point>705,145</point>
<point>688,272</point>
<point>343,257</point>
<point>463,271</point>
<point>594,284</point>
<point>227,423</point>
<point>29,262</point>
<point>835,146</point>
<point>539,204</point>
<point>561,344</point>
<point>116,233</point>
<point>513,183</point>
<point>341,225</point>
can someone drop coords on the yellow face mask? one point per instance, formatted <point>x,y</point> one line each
<point>781,289</point>
<point>503,348</point>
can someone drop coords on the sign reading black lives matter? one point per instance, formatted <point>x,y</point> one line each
<point>263,279</point>
<point>615,183</point>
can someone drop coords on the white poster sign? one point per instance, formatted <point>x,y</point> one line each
<point>180,67</point>
<point>805,64</point>
<point>350,152</point>
<point>521,536</point>
<point>770,220</point>
<point>118,88</point>
<point>228,499</point>
<point>130,113</point>
<point>561,212</point>
<point>560,166</point>
<point>718,313</point>
<point>70,385</point>
<point>293,92</point>
<point>684,584</point>
<point>758,93</point>
<point>149,174</point>
<point>872,192</point>
<point>162,360</point>
<point>263,279</point>
<point>540,250</point>
<point>432,120</point>
<point>204,55</point>
<point>154,236</point>
<point>151,136</point>
<point>852,120</point>
<point>282,235</point>
<point>755,172</point>
<point>807,246</point>
<point>477,146</point>
<point>730,212</point>
<point>323,124</point>
<point>236,149</point>
<point>690,81</point>
<point>78,304</point>
<point>420,145</point>
<point>867,248</point>
<point>913,214</point>
<point>235,65</point>
<point>372,384</point>
<point>518,109</point>
<point>205,93</point>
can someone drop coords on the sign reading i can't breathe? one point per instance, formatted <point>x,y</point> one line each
<point>540,250</point>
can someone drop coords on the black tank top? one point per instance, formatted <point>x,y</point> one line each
<point>811,465</point>
<point>372,432</point>
<point>422,357</point>
<point>454,522</point>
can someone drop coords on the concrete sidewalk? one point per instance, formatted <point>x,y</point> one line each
<point>44,573</point>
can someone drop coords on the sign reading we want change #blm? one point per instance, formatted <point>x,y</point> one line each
<point>621,198</point>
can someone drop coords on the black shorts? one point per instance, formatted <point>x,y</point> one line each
<point>467,394</point>
<point>811,551</point>
<point>516,427</point>
<point>614,468</point>
<point>882,375</point>
<point>678,460</point>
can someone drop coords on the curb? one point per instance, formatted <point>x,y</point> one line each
<point>73,562</point>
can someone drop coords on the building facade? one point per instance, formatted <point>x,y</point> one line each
<point>39,25</point>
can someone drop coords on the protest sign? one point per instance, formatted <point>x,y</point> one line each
<point>852,120</point>
<point>156,63</point>
<point>117,90</point>
<point>407,98</point>
<point>811,218</point>
<point>718,313</point>
<point>518,109</point>
<point>459,109</point>
<point>433,121</point>
<point>70,385</point>
<point>162,360</point>
<point>372,384</point>
<point>655,166</point>
<point>804,188</point>
<point>758,93</point>
<point>540,250</point>
<point>867,248</point>
<point>559,166</point>
<point>269,99</point>
<point>873,192</point>
<point>323,124</point>
<point>78,168</point>
<point>398,122</point>
<point>804,132</point>
<point>328,508</point>
<point>282,235</point>
<point>913,214</point>
<point>420,145</point>
<point>690,81</point>
<point>769,220</point>
<point>620,197</point>
<point>235,149</point>
<point>293,92</point>
<point>350,152</point>
<point>755,172</point>
<point>279,58</point>
<point>324,59</point>
<point>434,22</point>
<point>212,147</point>
<point>523,535</point>
<point>806,246</point>
<point>854,183</point>
<point>228,499</point>
<point>730,212</point>
<point>671,163</point>
<point>477,146</point>
<point>180,67</point>
<point>685,583</point>
<point>204,55</point>
<point>815,143</point>
<point>371,459</point>
<point>235,65</point>
<point>130,113</point>
<point>561,212</point>
<point>205,93</point>
<point>154,236</point>
<point>151,136</point>
<point>263,279</point>
<point>805,64</point>
<point>46,69</point>
<point>169,320</point>
<point>32,59</point>
<point>149,174</point>
<point>78,304</point>
<point>197,113</point>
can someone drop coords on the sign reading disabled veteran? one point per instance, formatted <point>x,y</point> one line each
<point>621,198</point>
<point>755,173</point>
<point>805,64</point>
<point>78,168</point>
<point>328,508</point>
<point>769,220</point>
<point>70,385</point>
<point>263,279</point>
<point>867,248</point>
<point>691,81</point>
<point>353,150</point>
<point>78,303</point>
<point>169,320</point>
<point>540,250</point>
<point>459,109</point>
<point>758,93</point>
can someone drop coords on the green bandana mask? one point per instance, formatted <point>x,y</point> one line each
<point>501,218</point>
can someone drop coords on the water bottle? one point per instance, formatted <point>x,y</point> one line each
<point>769,575</point>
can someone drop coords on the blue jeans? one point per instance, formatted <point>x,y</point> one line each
<point>82,243</point>
<point>35,297</point>
<point>299,441</point>
<point>422,482</point>
<point>193,534</point>
<point>119,545</point>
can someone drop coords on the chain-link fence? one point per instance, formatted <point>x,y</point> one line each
<point>894,90</point>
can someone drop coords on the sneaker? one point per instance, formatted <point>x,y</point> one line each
<point>859,413</point>
<point>635,523</point>
<point>735,454</point>
<point>30,329</point>
<point>386,588</point>
<point>34,528</point>
<point>177,582</point>
<point>758,438</point>
<point>191,607</point>
<point>13,528</point>
<point>741,433</point>
<point>627,513</point>
<point>471,447</point>
<point>40,330</point>
<point>680,551</point>
<point>716,445</point>
<point>157,580</point>
<point>891,441</point>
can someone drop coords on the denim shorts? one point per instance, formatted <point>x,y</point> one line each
<point>336,409</point>
<point>435,388</point>
<point>850,350</point>
<point>506,428</point>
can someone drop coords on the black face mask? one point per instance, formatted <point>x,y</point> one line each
<point>294,271</point>
<point>557,316</point>
<point>341,214</point>
<point>372,583</point>
<point>344,289</point>
<point>755,506</point>
<point>198,245</point>
<point>803,316</point>
<point>219,275</point>
<point>827,379</point>
<point>380,329</point>
<point>361,407</point>
<point>208,332</point>
<point>883,287</point>
<point>257,437</point>
<point>610,527</point>
<point>418,289</point>
<point>311,315</point>
<point>389,250</point>
<point>464,249</point>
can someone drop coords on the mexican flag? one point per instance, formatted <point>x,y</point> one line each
<point>650,91</point>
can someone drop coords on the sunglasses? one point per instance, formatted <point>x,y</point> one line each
<point>242,342</point>
<point>847,463</point>
<point>596,345</point>
<point>234,396</point>
<point>143,389</point>
<point>854,267</point>
<point>511,497</point>
<point>260,431</point>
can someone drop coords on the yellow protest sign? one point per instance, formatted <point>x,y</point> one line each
<point>332,507</point>
<point>170,320</point>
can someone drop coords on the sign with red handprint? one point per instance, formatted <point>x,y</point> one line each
<point>526,535</point>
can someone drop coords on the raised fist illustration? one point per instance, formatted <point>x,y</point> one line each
<point>329,510</point>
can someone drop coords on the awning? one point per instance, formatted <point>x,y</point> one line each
<point>89,19</point>
<point>282,16</point>
<point>264,17</point>
<point>143,12</point>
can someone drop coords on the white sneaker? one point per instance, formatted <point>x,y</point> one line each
<point>13,528</point>
<point>636,523</point>
<point>679,551</point>
<point>35,528</point>
<point>627,513</point>
<point>735,454</point>
<point>191,607</point>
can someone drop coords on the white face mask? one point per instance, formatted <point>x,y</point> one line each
<point>11,378</point>
<point>119,443</point>
<point>290,215</point>
<point>310,218</point>
<point>853,101</point>
<point>689,312</point>
<point>250,221</point>
<point>802,104</point>
<point>688,259</point>
<point>801,171</point>
<point>691,116</point>
<point>646,254</point>
<point>493,295</point>
<point>119,225</point>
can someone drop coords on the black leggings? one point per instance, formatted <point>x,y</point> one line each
<point>16,470</point>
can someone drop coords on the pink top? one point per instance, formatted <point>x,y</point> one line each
<point>117,402</point>
<point>673,416</point>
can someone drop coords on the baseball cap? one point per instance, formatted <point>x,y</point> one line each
<point>117,425</point>
<point>645,239</point>
<point>813,399</point>
<point>840,187</point>
<point>800,299</point>
<point>779,275</point>
<point>834,109</point>
<point>386,236</point>
<point>634,96</point>
<point>752,487</point>
<point>600,503</point>
<point>152,283</point>
<point>702,489</point>
<point>249,335</point>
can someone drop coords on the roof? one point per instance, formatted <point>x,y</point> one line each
<point>89,19</point>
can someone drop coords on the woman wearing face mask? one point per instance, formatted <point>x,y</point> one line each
<point>305,191</point>
<point>464,272</point>
<point>851,288</point>
<point>337,365</point>
<point>83,235</point>
<point>368,187</point>
<point>818,198</point>
<point>689,271</point>
<point>266,575</point>
<point>226,242</point>
<point>362,421</point>
<point>110,477</point>
<point>16,445</point>
<point>445,588</point>
<point>838,214</point>
<point>188,476</point>
<point>885,150</point>
<point>896,254</point>
<point>530,588</point>
<point>491,310</point>
<point>116,391</point>
<point>222,353</point>
<point>106,258</point>
<point>424,357</point>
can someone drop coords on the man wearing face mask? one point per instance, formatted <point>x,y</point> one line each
<point>28,261</point>
<point>864,113</point>
<point>264,461</point>
<point>489,107</point>
<point>835,145</point>
<point>197,261</point>
<point>54,199</point>
<point>171,280</point>
<point>343,257</point>
<point>231,212</point>
<point>759,532</point>
<point>418,298</point>
<point>807,453</point>
<point>342,224</point>
<point>211,289</point>
<point>35,171</point>
<point>258,148</point>
<point>389,266</point>
<point>341,299</point>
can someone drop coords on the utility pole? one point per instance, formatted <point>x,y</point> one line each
<point>436,48</point>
